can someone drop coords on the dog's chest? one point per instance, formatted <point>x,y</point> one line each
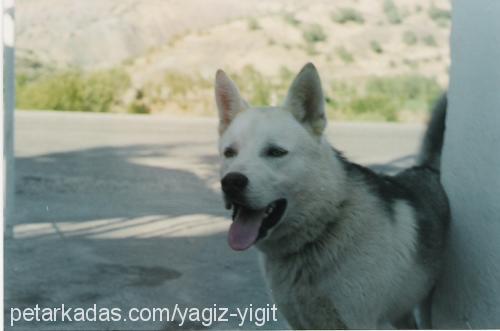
<point>301,296</point>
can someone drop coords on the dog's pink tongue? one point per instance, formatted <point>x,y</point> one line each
<point>245,229</point>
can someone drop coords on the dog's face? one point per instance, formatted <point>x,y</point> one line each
<point>265,154</point>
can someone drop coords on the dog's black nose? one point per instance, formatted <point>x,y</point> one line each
<point>234,182</point>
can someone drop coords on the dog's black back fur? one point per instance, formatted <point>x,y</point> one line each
<point>419,186</point>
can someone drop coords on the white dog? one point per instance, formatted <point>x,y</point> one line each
<point>342,246</point>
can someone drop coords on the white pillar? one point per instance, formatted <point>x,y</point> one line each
<point>7,139</point>
<point>8,103</point>
<point>468,295</point>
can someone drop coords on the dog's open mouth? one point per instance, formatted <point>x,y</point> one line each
<point>250,225</point>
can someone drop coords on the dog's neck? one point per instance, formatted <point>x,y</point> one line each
<point>296,235</point>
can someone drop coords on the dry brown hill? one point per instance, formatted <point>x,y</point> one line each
<point>171,48</point>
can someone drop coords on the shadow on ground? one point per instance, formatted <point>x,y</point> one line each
<point>104,226</point>
<point>128,227</point>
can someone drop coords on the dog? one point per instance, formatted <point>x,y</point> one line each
<point>341,246</point>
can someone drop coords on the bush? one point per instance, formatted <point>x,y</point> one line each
<point>344,54</point>
<point>291,19</point>
<point>345,15</point>
<point>138,107</point>
<point>311,50</point>
<point>253,24</point>
<point>177,88</point>
<point>410,38</point>
<point>412,92</point>
<point>314,33</point>
<point>392,12</point>
<point>378,106</point>
<point>179,84</point>
<point>254,86</point>
<point>375,46</point>
<point>382,98</point>
<point>440,16</point>
<point>429,40</point>
<point>72,90</point>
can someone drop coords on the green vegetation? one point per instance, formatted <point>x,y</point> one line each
<point>392,12</point>
<point>177,88</point>
<point>253,24</point>
<point>291,19</point>
<point>345,15</point>
<point>440,16</point>
<point>410,38</point>
<point>376,47</point>
<point>314,33</point>
<point>137,107</point>
<point>412,64</point>
<point>429,40</point>
<point>254,86</point>
<point>311,50</point>
<point>344,54</point>
<point>96,91</point>
<point>382,98</point>
<point>373,107</point>
<point>365,98</point>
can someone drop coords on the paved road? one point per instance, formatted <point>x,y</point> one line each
<point>124,211</point>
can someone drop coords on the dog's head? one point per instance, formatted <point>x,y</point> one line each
<point>267,154</point>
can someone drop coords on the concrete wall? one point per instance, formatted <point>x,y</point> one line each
<point>7,37</point>
<point>469,294</point>
<point>7,88</point>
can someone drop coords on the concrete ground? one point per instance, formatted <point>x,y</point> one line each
<point>124,211</point>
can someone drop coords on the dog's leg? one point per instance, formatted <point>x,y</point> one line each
<point>424,312</point>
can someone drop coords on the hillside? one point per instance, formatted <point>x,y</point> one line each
<point>99,33</point>
<point>170,49</point>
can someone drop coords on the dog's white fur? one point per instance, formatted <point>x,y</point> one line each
<point>334,260</point>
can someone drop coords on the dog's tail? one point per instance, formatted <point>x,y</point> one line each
<point>430,153</point>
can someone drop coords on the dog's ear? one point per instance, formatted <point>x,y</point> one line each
<point>228,99</point>
<point>305,100</point>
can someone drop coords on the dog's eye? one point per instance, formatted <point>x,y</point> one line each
<point>276,152</point>
<point>230,152</point>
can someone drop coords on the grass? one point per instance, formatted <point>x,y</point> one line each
<point>314,33</point>
<point>440,16</point>
<point>254,86</point>
<point>429,40</point>
<point>291,19</point>
<point>174,88</point>
<point>392,12</point>
<point>410,38</point>
<point>366,98</point>
<point>382,98</point>
<point>412,64</point>
<point>137,107</point>
<point>376,47</point>
<point>253,24</point>
<point>346,15</point>
<point>96,91</point>
<point>310,49</point>
<point>344,54</point>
